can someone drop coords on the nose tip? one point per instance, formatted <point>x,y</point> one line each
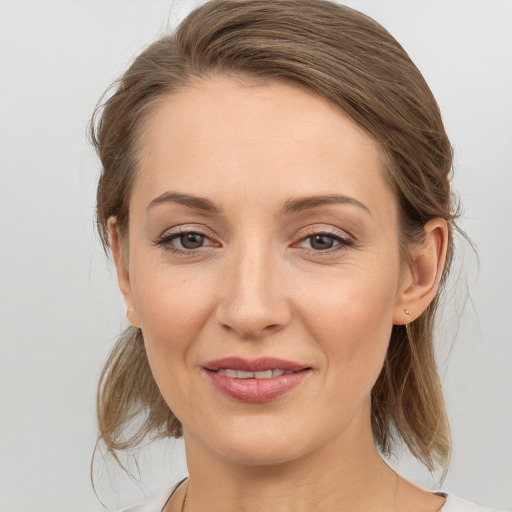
<point>253,316</point>
<point>253,303</point>
<point>249,323</point>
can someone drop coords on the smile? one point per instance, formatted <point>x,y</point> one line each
<point>265,374</point>
<point>255,381</point>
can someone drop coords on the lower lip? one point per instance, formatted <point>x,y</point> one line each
<point>256,391</point>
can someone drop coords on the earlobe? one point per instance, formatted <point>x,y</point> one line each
<point>122,269</point>
<point>421,279</point>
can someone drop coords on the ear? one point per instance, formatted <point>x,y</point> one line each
<point>122,268</point>
<point>422,275</point>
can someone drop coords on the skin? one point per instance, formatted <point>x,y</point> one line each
<point>260,286</point>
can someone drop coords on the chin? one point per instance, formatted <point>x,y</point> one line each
<point>260,441</point>
<point>262,452</point>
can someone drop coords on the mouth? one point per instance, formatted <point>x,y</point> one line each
<point>255,381</point>
<point>264,374</point>
<point>255,366</point>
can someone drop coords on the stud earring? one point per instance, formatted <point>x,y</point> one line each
<point>407,312</point>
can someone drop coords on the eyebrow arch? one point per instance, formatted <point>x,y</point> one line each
<point>200,203</point>
<point>305,203</point>
<point>290,206</point>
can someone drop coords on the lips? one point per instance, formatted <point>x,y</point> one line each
<point>263,374</point>
<point>255,381</point>
<point>254,365</point>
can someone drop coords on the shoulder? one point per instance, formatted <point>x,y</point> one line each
<point>154,504</point>
<point>455,504</point>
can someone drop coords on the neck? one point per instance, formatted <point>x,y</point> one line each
<point>343,475</point>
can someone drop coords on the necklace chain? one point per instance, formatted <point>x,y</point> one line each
<point>183,505</point>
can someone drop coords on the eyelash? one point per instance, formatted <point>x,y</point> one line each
<point>166,240</point>
<point>342,243</point>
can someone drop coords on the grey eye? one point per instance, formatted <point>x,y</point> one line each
<point>321,242</point>
<point>191,240</point>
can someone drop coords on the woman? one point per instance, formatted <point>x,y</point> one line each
<point>275,193</point>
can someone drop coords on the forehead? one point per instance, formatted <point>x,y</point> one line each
<point>235,142</point>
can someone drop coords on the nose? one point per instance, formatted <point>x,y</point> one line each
<point>253,300</point>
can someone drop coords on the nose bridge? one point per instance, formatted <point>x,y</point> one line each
<point>253,300</point>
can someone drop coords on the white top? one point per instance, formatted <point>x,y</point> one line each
<point>453,504</point>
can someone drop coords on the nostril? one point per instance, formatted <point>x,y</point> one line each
<point>251,316</point>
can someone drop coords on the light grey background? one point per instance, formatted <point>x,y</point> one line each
<point>59,306</point>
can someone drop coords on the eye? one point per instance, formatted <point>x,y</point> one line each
<point>324,242</point>
<point>190,240</point>
<point>183,242</point>
<point>321,242</point>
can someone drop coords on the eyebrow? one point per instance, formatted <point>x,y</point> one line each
<point>290,205</point>
<point>306,203</point>
<point>200,203</point>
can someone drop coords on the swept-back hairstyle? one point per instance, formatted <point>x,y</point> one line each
<point>355,63</point>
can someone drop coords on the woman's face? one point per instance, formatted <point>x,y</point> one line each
<point>263,268</point>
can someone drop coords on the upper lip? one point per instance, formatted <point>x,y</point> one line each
<point>254,365</point>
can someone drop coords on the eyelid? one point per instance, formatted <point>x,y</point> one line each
<point>344,239</point>
<point>186,228</point>
<point>322,229</point>
<point>168,235</point>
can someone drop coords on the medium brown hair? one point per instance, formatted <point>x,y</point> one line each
<point>355,63</point>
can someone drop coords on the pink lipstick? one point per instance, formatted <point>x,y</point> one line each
<point>257,380</point>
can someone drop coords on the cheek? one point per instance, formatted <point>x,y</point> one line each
<point>173,309</point>
<point>351,319</point>
<point>170,303</point>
